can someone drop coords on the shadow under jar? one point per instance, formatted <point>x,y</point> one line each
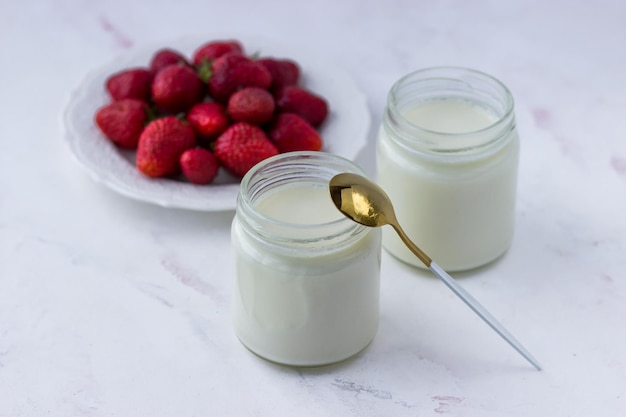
<point>306,285</point>
<point>447,156</point>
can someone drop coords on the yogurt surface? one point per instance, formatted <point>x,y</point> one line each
<point>299,204</point>
<point>449,116</point>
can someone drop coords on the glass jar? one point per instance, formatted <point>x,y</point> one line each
<point>447,156</point>
<point>306,288</point>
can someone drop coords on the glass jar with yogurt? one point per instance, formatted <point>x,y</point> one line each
<point>306,288</point>
<point>447,156</point>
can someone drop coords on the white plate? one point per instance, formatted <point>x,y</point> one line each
<point>344,132</point>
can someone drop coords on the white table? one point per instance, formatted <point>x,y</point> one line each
<point>114,307</point>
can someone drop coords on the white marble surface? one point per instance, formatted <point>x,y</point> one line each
<point>112,307</point>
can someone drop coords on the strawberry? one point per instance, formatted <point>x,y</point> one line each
<point>222,66</point>
<point>165,57</point>
<point>225,63</point>
<point>242,146</point>
<point>251,104</point>
<point>176,88</point>
<point>209,120</point>
<point>234,71</point>
<point>215,49</point>
<point>311,107</point>
<point>284,71</point>
<point>199,166</point>
<point>130,83</point>
<point>290,132</point>
<point>122,121</point>
<point>161,144</point>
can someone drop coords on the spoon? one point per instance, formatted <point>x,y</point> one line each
<point>366,203</point>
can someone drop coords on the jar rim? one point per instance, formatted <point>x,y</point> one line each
<point>469,85</point>
<point>275,172</point>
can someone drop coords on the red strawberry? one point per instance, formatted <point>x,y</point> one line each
<point>166,57</point>
<point>242,146</point>
<point>199,165</point>
<point>209,120</point>
<point>251,104</point>
<point>161,144</point>
<point>130,83</point>
<point>284,71</point>
<point>176,88</point>
<point>290,132</point>
<point>123,121</point>
<point>222,65</point>
<point>309,106</point>
<point>232,72</point>
<point>215,49</point>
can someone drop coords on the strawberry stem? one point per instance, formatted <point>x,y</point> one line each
<point>205,70</point>
<point>152,113</point>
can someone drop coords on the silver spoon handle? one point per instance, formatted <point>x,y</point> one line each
<point>482,312</point>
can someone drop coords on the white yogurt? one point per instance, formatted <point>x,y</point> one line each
<point>299,203</point>
<point>449,165</point>
<point>306,278</point>
<point>449,116</point>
